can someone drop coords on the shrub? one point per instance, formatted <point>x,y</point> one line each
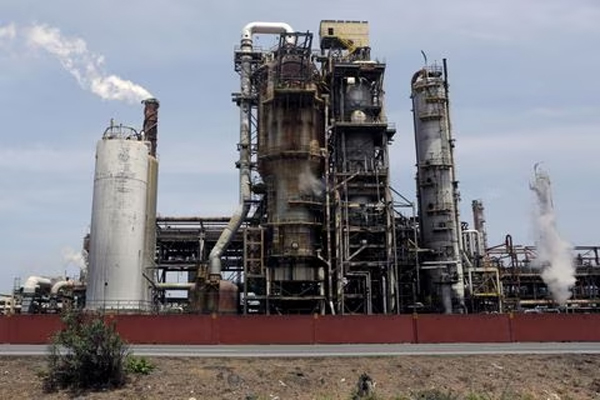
<point>138,365</point>
<point>86,354</point>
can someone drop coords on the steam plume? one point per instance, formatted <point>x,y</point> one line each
<point>86,66</point>
<point>77,258</point>
<point>554,253</point>
<point>308,184</point>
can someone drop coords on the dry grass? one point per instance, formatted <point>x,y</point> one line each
<point>468,377</point>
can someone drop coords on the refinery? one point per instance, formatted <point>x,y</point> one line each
<point>318,229</point>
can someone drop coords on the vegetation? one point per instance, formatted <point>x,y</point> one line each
<point>87,354</point>
<point>138,365</point>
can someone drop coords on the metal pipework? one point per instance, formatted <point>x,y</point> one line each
<point>245,105</point>
<point>175,286</point>
<point>65,283</point>
<point>264,27</point>
<point>34,282</point>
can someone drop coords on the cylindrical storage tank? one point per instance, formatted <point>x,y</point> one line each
<point>117,236</point>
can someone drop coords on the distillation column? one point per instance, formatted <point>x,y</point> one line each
<point>437,189</point>
<point>361,202</point>
<point>290,138</point>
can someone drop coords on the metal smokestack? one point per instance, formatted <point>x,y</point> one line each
<point>150,129</point>
<point>151,123</point>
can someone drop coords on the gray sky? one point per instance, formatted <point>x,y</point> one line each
<point>524,88</point>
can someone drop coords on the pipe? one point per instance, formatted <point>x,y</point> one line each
<point>214,271</point>
<point>151,123</point>
<point>61,284</point>
<point>34,282</point>
<point>175,286</point>
<point>264,27</point>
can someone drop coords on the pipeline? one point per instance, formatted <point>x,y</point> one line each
<point>244,147</point>
<point>64,283</point>
<point>175,286</point>
<point>34,282</point>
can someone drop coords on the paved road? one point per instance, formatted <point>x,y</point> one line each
<point>336,350</point>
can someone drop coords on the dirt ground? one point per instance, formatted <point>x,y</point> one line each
<point>490,377</point>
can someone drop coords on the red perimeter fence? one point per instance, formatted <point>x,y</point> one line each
<point>204,329</point>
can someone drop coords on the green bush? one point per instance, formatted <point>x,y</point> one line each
<point>86,354</point>
<point>138,365</point>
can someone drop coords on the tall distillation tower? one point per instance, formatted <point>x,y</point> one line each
<point>290,138</point>
<point>437,189</point>
<point>361,237</point>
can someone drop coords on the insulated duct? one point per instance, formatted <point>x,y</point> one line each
<point>245,105</point>
<point>58,286</point>
<point>36,282</point>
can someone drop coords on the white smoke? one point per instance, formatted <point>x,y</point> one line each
<point>310,185</point>
<point>86,66</point>
<point>554,253</point>
<point>75,258</point>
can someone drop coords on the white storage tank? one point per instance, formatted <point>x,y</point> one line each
<point>116,278</point>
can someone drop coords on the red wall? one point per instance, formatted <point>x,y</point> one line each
<point>476,328</point>
<point>203,329</point>
<point>28,329</point>
<point>364,329</point>
<point>265,329</point>
<point>168,329</point>
<point>556,328</point>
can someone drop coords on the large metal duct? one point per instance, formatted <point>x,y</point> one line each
<point>437,188</point>
<point>244,145</point>
<point>117,237</point>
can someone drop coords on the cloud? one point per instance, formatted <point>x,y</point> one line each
<point>44,159</point>
<point>564,141</point>
<point>7,33</point>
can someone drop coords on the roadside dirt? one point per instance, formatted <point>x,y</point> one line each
<point>490,377</point>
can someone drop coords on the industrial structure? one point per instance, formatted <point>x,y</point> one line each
<point>318,228</point>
